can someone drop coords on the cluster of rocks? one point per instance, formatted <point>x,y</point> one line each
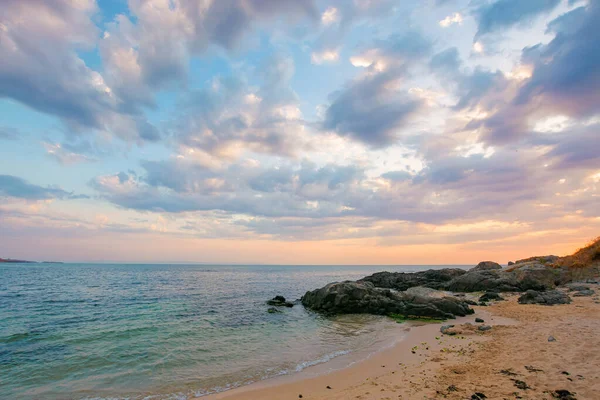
<point>363,297</point>
<point>428,293</point>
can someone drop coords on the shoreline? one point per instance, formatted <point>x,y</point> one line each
<point>388,359</point>
<point>512,360</point>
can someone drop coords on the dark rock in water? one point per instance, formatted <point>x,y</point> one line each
<point>584,293</point>
<point>479,320</point>
<point>489,296</point>
<point>433,278</point>
<point>364,298</point>
<point>486,266</point>
<point>563,394</point>
<point>446,330</point>
<point>478,396</point>
<point>484,328</point>
<point>551,338</point>
<point>280,301</point>
<point>273,310</point>
<point>545,298</point>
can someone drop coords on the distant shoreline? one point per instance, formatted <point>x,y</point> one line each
<point>11,261</point>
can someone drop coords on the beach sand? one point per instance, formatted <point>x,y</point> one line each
<point>515,359</point>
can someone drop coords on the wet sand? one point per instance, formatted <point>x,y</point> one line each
<point>514,359</point>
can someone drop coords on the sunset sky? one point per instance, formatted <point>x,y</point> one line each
<point>298,131</point>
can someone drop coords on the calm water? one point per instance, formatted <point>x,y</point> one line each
<point>83,331</point>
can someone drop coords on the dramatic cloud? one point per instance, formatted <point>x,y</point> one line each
<point>502,14</point>
<point>373,107</point>
<point>13,186</point>
<point>41,68</point>
<point>230,115</point>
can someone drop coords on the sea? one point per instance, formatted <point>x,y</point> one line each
<point>162,332</point>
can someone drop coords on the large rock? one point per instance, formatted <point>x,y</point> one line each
<point>486,280</point>
<point>486,265</point>
<point>432,278</point>
<point>363,297</point>
<point>548,298</point>
<point>534,277</point>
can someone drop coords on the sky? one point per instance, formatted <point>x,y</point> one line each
<point>298,131</point>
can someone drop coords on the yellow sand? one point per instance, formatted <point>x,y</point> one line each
<point>456,367</point>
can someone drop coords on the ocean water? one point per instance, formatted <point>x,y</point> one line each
<point>96,331</point>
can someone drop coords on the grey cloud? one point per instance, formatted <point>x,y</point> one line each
<point>567,70</point>
<point>42,70</point>
<point>565,79</point>
<point>231,113</point>
<point>502,14</point>
<point>13,186</point>
<point>8,134</point>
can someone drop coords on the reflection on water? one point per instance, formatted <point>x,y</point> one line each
<point>129,331</point>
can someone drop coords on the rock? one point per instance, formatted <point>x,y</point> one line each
<point>551,338</point>
<point>510,263</point>
<point>489,296</point>
<point>432,278</point>
<point>363,297</point>
<point>470,302</point>
<point>479,320</point>
<point>445,329</point>
<point>539,259</point>
<point>563,394</point>
<point>584,293</point>
<point>577,287</point>
<point>521,385</point>
<point>483,303</point>
<point>476,281</point>
<point>484,328</point>
<point>273,310</point>
<point>486,266</point>
<point>280,301</point>
<point>478,396</point>
<point>545,298</point>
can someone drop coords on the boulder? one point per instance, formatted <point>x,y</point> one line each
<point>433,278</point>
<point>273,310</point>
<point>548,298</point>
<point>489,296</point>
<point>510,263</point>
<point>484,280</point>
<point>280,301</point>
<point>486,266</point>
<point>584,293</point>
<point>363,297</point>
<point>516,280</point>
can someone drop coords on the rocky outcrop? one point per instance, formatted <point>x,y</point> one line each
<point>486,266</point>
<point>491,296</point>
<point>548,298</point>
<point>363,297</point>
<point>432,278</point>
<point>280,301</point>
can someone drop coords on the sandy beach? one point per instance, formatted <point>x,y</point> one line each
<point>516,358</point>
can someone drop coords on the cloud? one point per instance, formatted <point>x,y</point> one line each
<point>325,56</point>
<point>372,108</point>
<point>452,19</point>
<point>503,14</point>
<point>231,116</point>
<point>41,68</point>
<point>564,81</point>
<point>7,133</point>
<point>13,186</point>
<point>64,156</point>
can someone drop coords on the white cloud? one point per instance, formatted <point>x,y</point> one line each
<point>455,18</point>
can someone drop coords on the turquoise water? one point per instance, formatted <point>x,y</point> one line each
<point>83,331</point>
